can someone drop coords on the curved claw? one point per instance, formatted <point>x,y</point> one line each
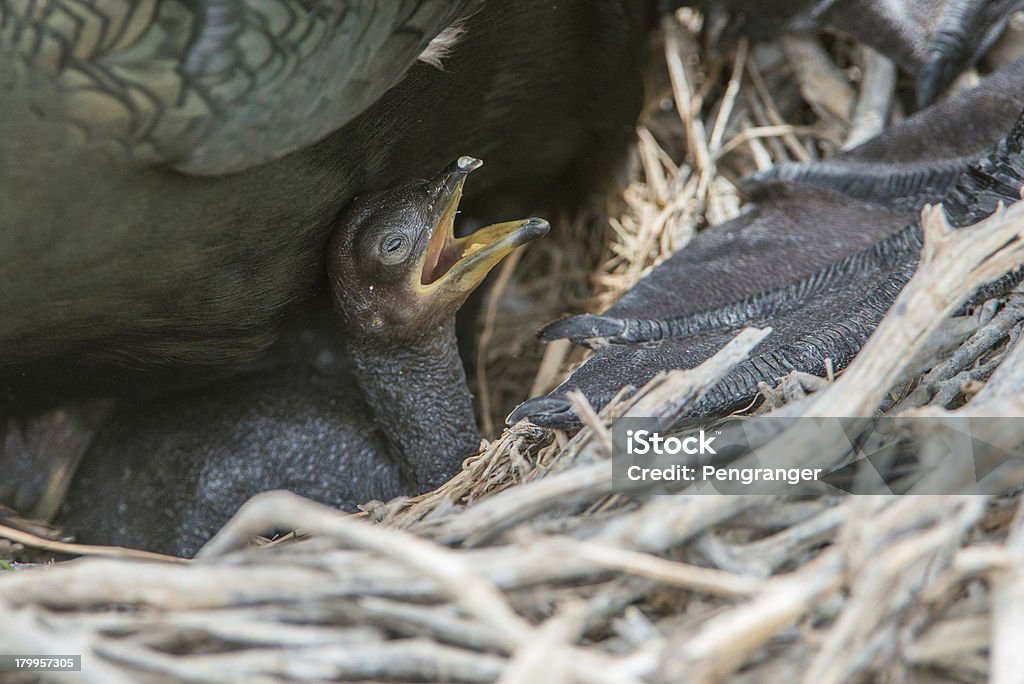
<point>549,412</point>
<point>965,31</point>
<point>586,330</point>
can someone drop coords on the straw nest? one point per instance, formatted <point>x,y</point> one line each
<point>524,568</point>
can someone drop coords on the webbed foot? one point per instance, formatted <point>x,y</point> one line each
<point>815,332</point>
<point>821,306</point>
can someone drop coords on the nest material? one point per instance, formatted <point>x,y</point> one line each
<point>524,568</point>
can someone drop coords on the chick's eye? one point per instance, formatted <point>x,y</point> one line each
<point>393,248</point>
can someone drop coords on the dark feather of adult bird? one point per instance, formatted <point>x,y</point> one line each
<point>776,264</point>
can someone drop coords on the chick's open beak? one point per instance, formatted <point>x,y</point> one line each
<point>462,263</point>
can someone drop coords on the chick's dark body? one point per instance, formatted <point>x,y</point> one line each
<point>109,266</point>
<point>143,485</point>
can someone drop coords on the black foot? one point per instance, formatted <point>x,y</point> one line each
<point>692,304</point>
<point>827,329</point>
